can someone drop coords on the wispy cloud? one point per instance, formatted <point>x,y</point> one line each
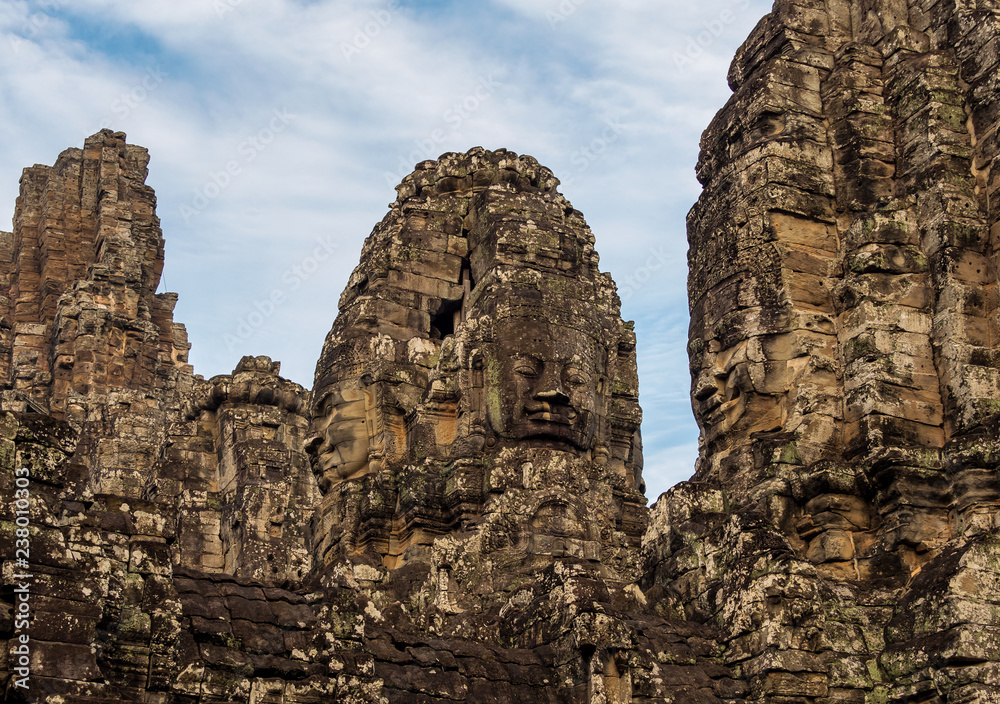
<point>665,466</point>
<point>192,79</point>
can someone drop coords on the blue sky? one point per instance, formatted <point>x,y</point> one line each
<point>276,128</point>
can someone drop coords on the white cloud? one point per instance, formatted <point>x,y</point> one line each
<point>664,467</point>
<point>359,115</point>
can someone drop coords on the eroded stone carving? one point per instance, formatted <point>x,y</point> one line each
<point>454,512</point>
<point>343,442</point>
<point>837,351</point>
<point>544,384</point>
<point>495,365</point>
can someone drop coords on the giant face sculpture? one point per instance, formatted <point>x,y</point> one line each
<point>721,390</point>
<point>341,444</point>
<point>544,384</point>
<point>739,390</point>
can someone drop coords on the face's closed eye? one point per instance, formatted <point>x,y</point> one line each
<point>526,367</point>
<point>575,377</point>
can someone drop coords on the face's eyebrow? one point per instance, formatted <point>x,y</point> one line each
<point>320,403</point>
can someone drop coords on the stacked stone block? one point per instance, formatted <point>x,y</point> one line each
<point>454,513</point>
<point>868,479</point>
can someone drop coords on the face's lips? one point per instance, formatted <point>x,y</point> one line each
<point>710,404</point>
<point>544,412</point>
<point>548,418</point>
<point>716,414</point>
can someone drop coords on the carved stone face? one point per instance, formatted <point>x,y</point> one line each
<point>557,531</point>
<point>341,441</point>
<point>740,390</point>
<point>544,384</point>
<point>721,391</point>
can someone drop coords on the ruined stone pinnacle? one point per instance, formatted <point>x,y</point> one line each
<point>455,511</point>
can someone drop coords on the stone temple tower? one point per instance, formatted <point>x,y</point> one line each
<point>455,512</point>
<point>843,346</point>
<point>479,381</point>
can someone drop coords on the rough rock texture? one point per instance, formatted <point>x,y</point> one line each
<point>485,380</point>
<point>83,335</point>
<point>842,524</point>
<point>455,511</point>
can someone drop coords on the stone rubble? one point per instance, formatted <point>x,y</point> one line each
<point>455,510</point>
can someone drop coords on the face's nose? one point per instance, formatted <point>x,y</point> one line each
<point>553,396</point>
<point>732,385</point>
<point>313,443</point>
<point>549,387</point>
<point>705,388</point>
